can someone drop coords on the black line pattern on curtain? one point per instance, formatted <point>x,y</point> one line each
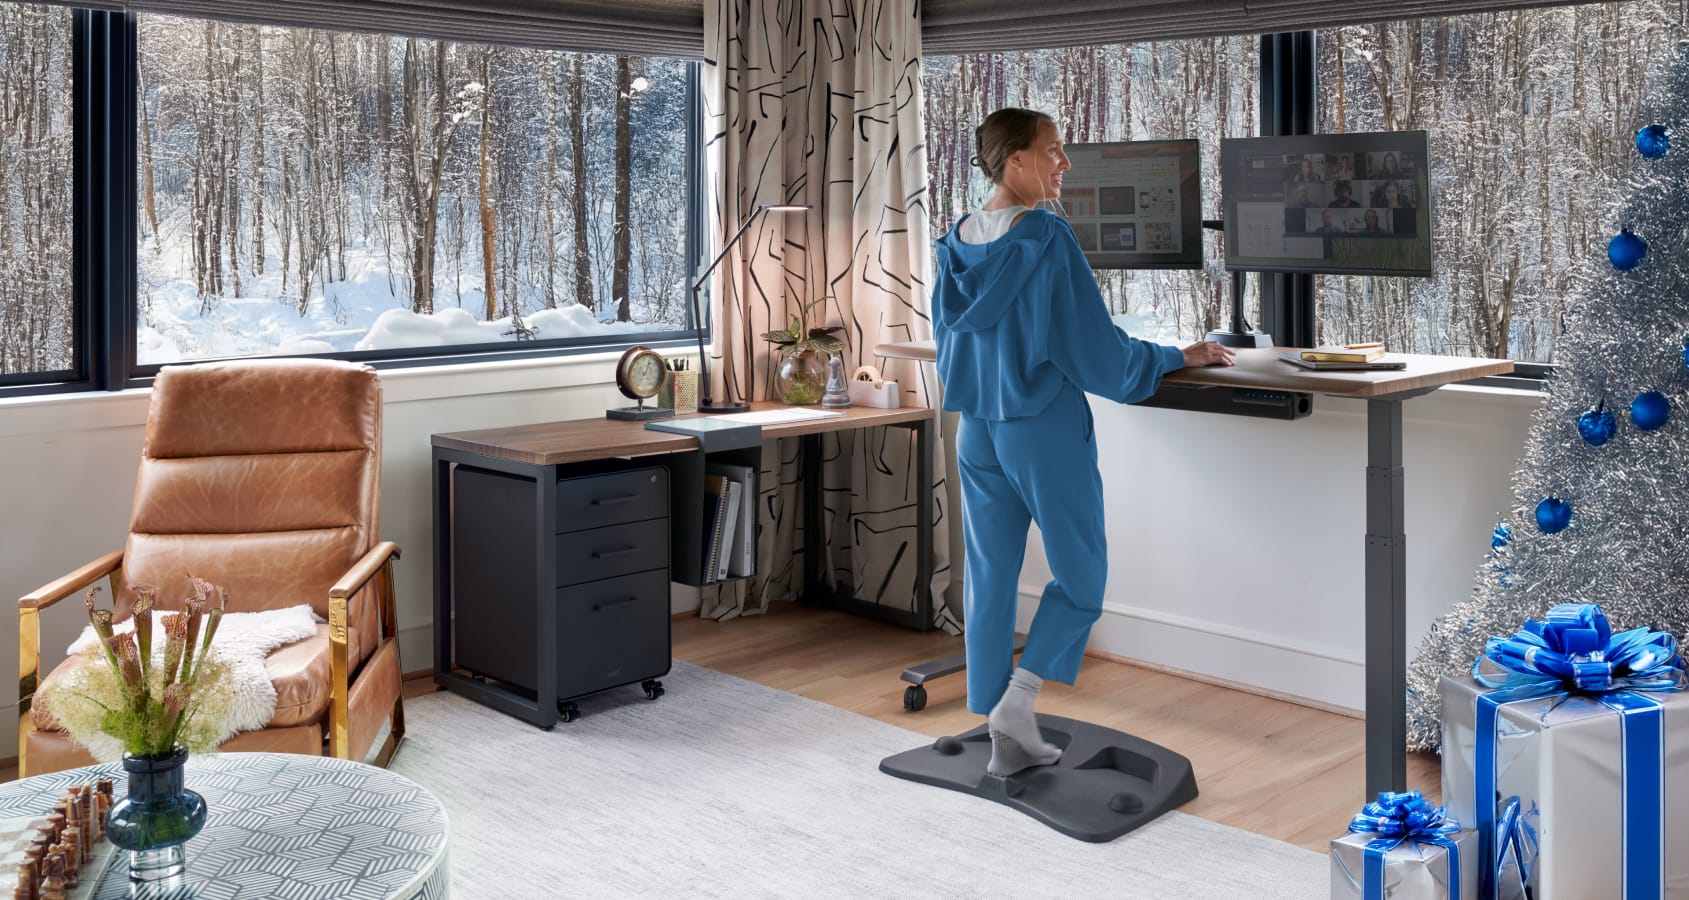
<point>819,102</point>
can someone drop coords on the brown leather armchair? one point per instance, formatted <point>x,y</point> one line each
<point>261,476</point>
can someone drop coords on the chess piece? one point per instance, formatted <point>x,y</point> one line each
<point>837,396</point>
<point>53,886</point>
<point>26,882</point>
<point>66,867</point>
<point>75,850</point>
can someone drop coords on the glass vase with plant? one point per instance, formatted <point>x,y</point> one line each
<point>153,702</point>
<point>800,374</point>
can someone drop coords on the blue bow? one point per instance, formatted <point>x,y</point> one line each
<point>1398,818</point>
<point>1574,651</point>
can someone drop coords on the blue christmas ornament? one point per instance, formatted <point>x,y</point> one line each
<point>1686,352</point>
<point>1598,425</point>
<point>1652,141</point>
<point>1553,515</point>
<point>1626,251</point>
<point>1501,537</point>
<point>1650,410</point>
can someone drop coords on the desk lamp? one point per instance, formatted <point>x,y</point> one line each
<point>705,403</point>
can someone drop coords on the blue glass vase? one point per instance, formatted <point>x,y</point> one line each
<point>153,822</point>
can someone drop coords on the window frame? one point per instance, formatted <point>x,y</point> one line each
<point>104,222</point>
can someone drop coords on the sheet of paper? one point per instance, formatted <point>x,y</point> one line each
<point>777,416</point>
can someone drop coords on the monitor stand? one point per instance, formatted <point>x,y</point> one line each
<point>1236,336</point>
<point>1106,783</point>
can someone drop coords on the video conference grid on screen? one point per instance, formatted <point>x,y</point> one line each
<point>1355,203</point>
<point>1135,204</point>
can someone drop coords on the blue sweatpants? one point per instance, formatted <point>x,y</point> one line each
<point>1038,469</point>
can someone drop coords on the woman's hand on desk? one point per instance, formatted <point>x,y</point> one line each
<point>1208,353</point>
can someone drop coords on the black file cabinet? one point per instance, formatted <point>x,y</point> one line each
<point>594,574</point>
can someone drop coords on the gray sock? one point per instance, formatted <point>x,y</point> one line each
<point>1016,742</point>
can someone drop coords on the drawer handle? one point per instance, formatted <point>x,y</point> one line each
<point>612,501</point>
<point>606,554</point>
<point>599,607</point>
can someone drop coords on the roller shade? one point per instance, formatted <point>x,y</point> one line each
<point>977,26</point>
<point>673,28</point>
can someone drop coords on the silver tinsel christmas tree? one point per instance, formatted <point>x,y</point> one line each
<point>1610,442</point>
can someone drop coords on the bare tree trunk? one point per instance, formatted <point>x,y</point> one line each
<point>258,249</point>
<point>487,221</point>
<point>622,253</point>
<point>577,143</point>
<point>147,190</point>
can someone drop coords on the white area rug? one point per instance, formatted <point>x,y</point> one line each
<point>727,788</point>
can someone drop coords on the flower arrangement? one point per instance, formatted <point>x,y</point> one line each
<point>150,696</point>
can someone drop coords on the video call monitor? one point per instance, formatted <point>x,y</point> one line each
<point>1341,204</point>
<point>1135,204</point>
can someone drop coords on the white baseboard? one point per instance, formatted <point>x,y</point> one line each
<point>1221,653</point>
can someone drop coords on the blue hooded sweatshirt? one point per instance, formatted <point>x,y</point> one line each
<point>1019,318</point>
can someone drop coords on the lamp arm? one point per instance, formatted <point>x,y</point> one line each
<point>728,246</point>
<point>698,314</point>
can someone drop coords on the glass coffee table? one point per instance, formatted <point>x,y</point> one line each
<point>283,825</point>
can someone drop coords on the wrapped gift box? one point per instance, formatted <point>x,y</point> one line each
<point>1412,870</point>
<point>1562,757</point>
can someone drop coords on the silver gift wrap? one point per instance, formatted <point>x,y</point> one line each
<point>1562,758</point>
<point>1411,871</point>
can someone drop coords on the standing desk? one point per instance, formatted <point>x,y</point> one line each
<point>539,455</point>
<point>1386,548</point>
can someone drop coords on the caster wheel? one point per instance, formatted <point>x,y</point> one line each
<point>568,711</point>
<point>915,698</point>
<point>653,689</point>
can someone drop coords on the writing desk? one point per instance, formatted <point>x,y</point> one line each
<point>1386,550</point>
<point>527,463</point>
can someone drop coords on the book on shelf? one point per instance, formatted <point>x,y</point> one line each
<point>742,555</point>
<point>729,524</point>
<point>1369,351</point>
<point>715,489</point>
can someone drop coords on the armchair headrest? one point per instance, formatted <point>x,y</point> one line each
<point>263,406</point>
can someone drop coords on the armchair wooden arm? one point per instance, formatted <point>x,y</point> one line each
<point>29,632</point>
<point>379,559</point>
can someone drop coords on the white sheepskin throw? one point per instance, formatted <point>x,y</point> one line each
<point>235,693</point>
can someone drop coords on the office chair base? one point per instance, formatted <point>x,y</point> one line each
<point>1106,784</point>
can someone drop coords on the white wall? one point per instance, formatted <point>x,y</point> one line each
<point>70,466</point>
<point>1236,545</point>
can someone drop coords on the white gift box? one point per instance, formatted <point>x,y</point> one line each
<point>1563,758</point>
<point>1412,871</point>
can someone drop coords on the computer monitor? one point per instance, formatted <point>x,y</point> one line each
<point>1342,204</point>
<point>1135,204</point>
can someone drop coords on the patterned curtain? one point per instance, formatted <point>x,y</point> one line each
<point>820,103</point>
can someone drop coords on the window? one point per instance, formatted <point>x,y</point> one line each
<point>1203,89</point>
<point>38,330</point>
<point>1531,115</point>
<point>306,191</point>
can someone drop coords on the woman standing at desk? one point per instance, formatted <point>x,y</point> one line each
<point>1023,334</point>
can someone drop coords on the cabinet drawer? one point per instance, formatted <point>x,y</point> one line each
<point>612,632</point>
<point>593,501</point>
<point>611,551</point>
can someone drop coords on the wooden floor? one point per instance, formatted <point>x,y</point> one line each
<point>1275,768</point>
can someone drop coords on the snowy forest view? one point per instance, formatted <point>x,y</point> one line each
<point>313,191</point>
<point>304,191</point>
<point>1530,113</point>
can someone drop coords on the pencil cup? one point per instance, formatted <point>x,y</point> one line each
<point>679,392</point>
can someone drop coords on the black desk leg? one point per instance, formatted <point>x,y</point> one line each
<point>923,524</point>
<point>442,565</point>
<point>809,464</point>
<point>1386,600</point>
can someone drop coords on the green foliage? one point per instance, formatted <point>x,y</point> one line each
<point>800,336</point>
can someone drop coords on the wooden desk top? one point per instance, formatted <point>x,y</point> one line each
<point>1261,368</point>
<point>580,440</point>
